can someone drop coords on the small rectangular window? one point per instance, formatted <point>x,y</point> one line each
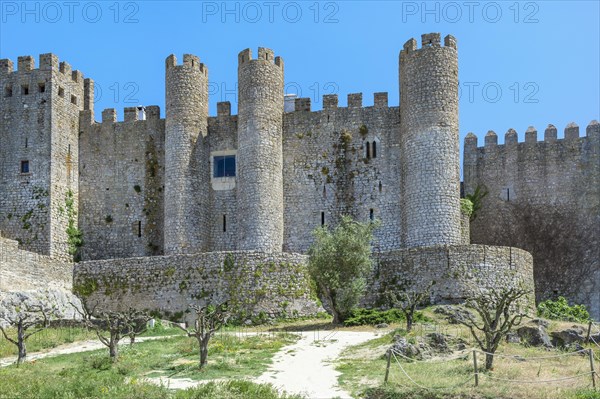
<point>322,218</point>
<point>24,90</point>
<point>24,166</point>
<point>61,92</point>
<point>73,100</point>
<point>41,87</point>
<point>224,223</point>
<point>8,91</point>
<point>139,228</point>
<point>371,214</point>
<point>374,149</point>
<point>26,142</point>
<point>224,166</point>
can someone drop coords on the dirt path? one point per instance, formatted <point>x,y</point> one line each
<point>75,347</point>
<point>307,368</point>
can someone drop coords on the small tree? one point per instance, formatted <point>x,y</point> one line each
<point>29,314</point>
<point>408,298</point>
<point>499,309</point>
<point>208,320</point>
<point>111,326</point>
<point>476,200</point>
<point>339,262</point>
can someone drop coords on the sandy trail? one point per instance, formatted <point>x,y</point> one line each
<point>307,367</point>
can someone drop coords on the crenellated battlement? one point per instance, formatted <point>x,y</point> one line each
<point>264,54</point>
<point>190,62</point>
<point>429,40</point>
<point>131,114</point>
<point>571,133</point>
<point>47,62</point>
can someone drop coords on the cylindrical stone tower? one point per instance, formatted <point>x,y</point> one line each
<point>185,225</point>
<point>430,180</point>
<point>260,154</point>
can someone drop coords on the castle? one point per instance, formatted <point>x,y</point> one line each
<point>193,206</point>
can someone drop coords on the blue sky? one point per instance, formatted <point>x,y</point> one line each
<point>521,63</point>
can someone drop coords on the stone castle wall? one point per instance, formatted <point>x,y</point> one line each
<point>543,197</point>
<point>121,185</point>
<point>186,228</point>
<point>39,109</point>
<point>327,172</point>
<point>456,270</point>
<point>274,284</point>
<point>26,271</point>
<point>259,153</point>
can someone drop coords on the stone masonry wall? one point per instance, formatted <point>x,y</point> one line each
<point>259,153</point>
<point>543,197</point>
<point>454,269</point>
<point>25,271</point>
<point>327,171</point>
<point>270,284</point>
<point>121,184</point>
<point>39,109</point>
<point>186,228</point>
<point>430,164</point>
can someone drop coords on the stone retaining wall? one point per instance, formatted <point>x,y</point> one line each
<point>267,284</point>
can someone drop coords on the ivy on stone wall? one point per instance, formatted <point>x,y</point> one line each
<point>74,235</point>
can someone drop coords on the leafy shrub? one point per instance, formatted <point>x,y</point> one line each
<point>560,310</point>
<point>361,317</point>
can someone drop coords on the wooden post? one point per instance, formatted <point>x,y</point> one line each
<point>589,332</point>
<point>475,368</point>
<point>591,353</point>
<point>387,369</point>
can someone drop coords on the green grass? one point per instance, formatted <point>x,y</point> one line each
<point>53,337</point>
<point>92,375</point>
<point>46,339</point>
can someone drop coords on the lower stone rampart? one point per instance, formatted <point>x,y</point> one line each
<point>455,269</point>
<point>25,271</point>
<point>262,284</point>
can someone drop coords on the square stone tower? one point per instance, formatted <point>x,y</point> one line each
<point>39,125</point>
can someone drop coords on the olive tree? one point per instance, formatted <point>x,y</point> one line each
<point>500,303</point>
<point>208,319</point>
<point>28,313</point>
<point>340,262</point>
<point>111,326</point>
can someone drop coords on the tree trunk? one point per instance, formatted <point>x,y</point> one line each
<point>489,361</point>
<point>21,344</point>
<point>337,319</point>
<point>132,339</point>
<point>113,348</point>
<point>203,351</point>
<point>409,322</point>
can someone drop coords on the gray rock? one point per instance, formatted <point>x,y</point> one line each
<point>513,338</point>
<point>540,322</point>
<point>454,314</point>
<point>534,336</point>
<point>567,337</point>
<point>382,325</point>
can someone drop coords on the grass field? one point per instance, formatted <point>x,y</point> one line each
<point>363,369</point>
<point>92,375</point>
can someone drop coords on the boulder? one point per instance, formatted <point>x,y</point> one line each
<point>454,314</point>
<point>567,337</point>
<point>540,322</point>
<point>417,351</point>
<point>382,325</point>
<point>534,336</point>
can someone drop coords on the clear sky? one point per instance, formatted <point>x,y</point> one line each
<point>521,63</point>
